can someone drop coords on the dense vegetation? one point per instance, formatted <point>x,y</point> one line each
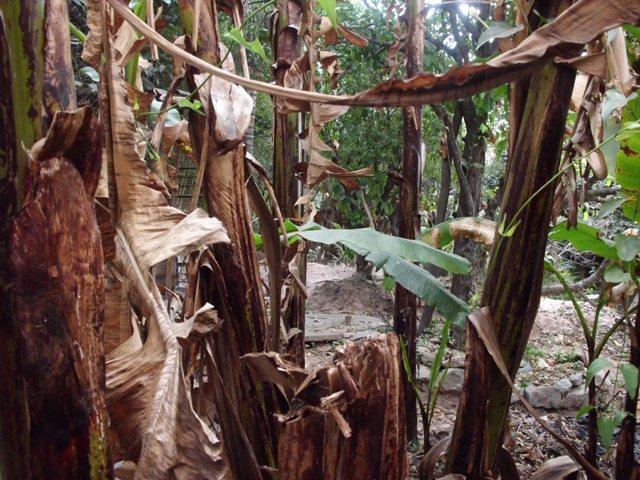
<point>149,150</point>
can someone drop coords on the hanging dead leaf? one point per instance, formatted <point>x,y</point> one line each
<point>618,62</point>
<point>127,44</point>
<point>329,61</point>
<point>327,31</point>
<point>352,37</point>
<point>318,144</point>
<point>327,113</point>
<point>319,168</point>
<point>147,396</point>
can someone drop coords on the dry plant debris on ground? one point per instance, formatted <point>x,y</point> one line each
<point>342,305</point>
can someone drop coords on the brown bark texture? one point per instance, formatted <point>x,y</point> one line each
<point>349,422</point>
<point>240,302</point>
<point>287,47</point>
<point>626,465</point>
<point>57,303</point>
<point>513,283</point>
<point>404,317</point>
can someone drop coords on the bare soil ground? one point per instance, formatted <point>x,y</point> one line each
<point>556,351</point>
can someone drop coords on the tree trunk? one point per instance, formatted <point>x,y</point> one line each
<point>51,274</point>
<point>626,465</point>
<point>286,49</point>
<point>513,283</point>
<point>404,318</point>
<point>463,285</point>
<point>242,305</point>
<point>317,444</point>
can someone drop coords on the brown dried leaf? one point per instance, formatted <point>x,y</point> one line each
<point>352,37</point>
<point>147,396</point>
<point>233,107</point>
<point>127,44</point>
<point>326,29</point>
<point>329,61</point>
<point>560,468</point>
<point>148,399</point>
<point>327,113</point>
<point>92,48</point>
<point>271,367</point>
<point>203,322</point>
<point>319,168</point>
<point>562,37</point>
<point>431,458</point>
<point>317,144</point>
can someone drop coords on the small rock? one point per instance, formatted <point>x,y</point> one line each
<point>576,379</point>
<point>542,364</point>
<point>425,355</point>
<point>544,397</point>
<point>564,384</point>
<point>602,375</point>
<point>576,399</point>
<point>514,397</point>
<point>364,334</point>
<point>457,361</point>
<point>423,375</point>
<point>453,381</point>
<point>525,367</point>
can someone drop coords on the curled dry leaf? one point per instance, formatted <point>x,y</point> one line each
<point>329,61</point>
<point>352,37</point>
<point>271,367</point>
<point>147,396</point>
<point>328,32</point>
<point>233,107</point>
<point>560,468</point>
<point>431,458</point>
<point>477,229</point>
<point>192,330</point>
<point>148,399</point>
<point>320,168</point>
<point>127,44</point>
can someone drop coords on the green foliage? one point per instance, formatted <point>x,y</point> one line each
<point>395,256</point>
<point>607,425</point>
<point>630,376</point>
<point>595,367</point>
<point>584,238</point>
<point>329,7</point>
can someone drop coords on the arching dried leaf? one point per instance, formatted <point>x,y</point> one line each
<point>562,37</point>
<point>560,468</point>
<point>147,396</point>
<point>352,37</point>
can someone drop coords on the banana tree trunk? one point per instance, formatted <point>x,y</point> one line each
<point>404,318</point>
<point>286,49</point>
<point>54,423</point>
<point>514,279</point>
<point>240,303</point>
